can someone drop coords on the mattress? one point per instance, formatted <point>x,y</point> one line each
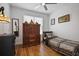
<point>68,46</point>
<point>56,41</point>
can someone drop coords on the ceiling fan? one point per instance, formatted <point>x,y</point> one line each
<point>44,5</point>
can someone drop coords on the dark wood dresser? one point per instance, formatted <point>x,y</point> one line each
<point>31,34</point>
<point>7,45</point>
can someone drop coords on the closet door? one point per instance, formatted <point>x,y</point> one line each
<point>32,37</point>
<point>38,34</point>
<point>25,35</point>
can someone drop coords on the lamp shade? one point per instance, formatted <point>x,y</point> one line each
<point>3,18</point>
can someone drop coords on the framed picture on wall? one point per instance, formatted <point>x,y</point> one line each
<point>65,18</point>
<point>15,26</point>
<point>53,21</point>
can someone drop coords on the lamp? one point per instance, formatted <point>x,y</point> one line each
<point>3,18</point>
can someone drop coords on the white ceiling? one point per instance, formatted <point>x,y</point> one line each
<point>31,6</point>
<point>51,7</point>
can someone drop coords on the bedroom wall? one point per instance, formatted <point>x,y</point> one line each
<point>67,30</point>
<point>17,12</point>
<point>5,27</point>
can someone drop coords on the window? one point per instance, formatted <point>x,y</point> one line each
<point>34,19</point>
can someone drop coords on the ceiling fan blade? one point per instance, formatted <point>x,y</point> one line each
<point>45,7</point>
<point>37,6</point>
<point>50,3</point>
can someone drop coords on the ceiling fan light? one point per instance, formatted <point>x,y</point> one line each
<point>43,4</point>
<point>45,7</point>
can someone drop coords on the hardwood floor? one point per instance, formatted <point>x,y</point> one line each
<point>38,50</point>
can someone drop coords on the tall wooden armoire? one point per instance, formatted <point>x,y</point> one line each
<point>31,34</point>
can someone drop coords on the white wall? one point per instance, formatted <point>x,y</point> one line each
<point>68,30</point>
<point>19,13</point>
<point>5,27</point>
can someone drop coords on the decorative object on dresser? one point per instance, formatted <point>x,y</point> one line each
<point>31,34</point>
<point>7,45</point>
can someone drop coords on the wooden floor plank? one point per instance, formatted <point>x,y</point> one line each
<point>38,50</point>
